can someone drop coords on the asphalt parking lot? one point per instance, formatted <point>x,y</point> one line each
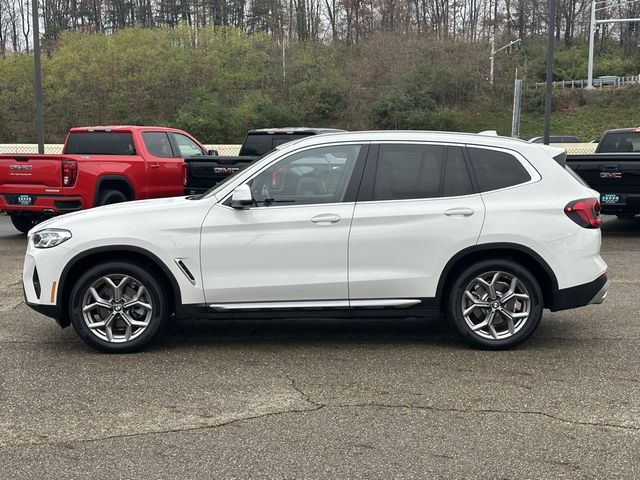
<point>326,398</point>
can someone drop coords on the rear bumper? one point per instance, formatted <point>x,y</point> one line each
<point>588,293</point>
<point>629,204</point>
<point>42,204</point>
<point>195,190</point>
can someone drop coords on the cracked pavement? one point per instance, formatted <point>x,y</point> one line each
<point>329,398</point>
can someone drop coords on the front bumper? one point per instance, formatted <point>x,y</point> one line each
<point>586,294</point>
<point>41,281</point>
<point>52,311</point>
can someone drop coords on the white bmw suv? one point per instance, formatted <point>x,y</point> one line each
<point>489,230</point>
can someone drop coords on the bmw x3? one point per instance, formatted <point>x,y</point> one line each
<point>488,230</point>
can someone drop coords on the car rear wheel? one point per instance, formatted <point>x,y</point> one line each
<point>24,221</point>
<point>495,304</point>
<point>117,307</point>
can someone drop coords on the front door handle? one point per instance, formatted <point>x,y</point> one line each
<point>459,212</point>
<point>154,165</point>
<point>326,219</point>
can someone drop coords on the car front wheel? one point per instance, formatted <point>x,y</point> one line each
<point>495,304</point>
<point>117,307</point>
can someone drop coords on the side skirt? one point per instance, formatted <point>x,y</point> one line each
<point>375,308</point>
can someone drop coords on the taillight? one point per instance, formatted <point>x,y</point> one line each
<point>184,173</point>
<point>585,212</point>
<point>69,172</point>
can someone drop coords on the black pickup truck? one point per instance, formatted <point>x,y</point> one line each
<point>614,171</point>
<point>204,171</point>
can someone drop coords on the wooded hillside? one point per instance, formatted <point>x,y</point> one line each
<point>219,68</point>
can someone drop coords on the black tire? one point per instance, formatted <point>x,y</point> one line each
<point>24,222</point>
<point>466,279</point>
<point>107,197</point>
<point>139,275</point>
<point>625,216</point>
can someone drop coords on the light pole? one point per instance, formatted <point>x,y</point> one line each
<point>592,32</point>
<point>37,80</point>
<point>592,35</point>
<point>549,85</point>
<point>493,54</point>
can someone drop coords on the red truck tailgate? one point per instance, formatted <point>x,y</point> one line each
<point>31,170</point>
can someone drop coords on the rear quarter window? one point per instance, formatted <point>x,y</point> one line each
<point>495,169</point>
<point>100,143</point>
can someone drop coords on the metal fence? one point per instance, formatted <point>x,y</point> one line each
<point>56,148</point>
<point>609,81</point>
<point>29,148</point>
<point>577,148</point>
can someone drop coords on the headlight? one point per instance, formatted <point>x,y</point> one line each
<point>50,237</point>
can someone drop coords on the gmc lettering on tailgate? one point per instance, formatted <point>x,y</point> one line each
<point>226,170</point>
<point>610,175</point>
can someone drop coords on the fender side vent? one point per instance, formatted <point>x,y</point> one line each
<point>36,283</point>
<point>185,270</point>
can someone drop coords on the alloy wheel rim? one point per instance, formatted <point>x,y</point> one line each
<point>496,305</point>
<point>117,308</point>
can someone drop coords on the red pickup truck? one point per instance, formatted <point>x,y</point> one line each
<point>98,166</point>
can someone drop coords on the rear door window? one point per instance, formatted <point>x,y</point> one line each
<point>100,143</point>
<point>495,169</point>
<point>416,171</point>
<point>408,171</point>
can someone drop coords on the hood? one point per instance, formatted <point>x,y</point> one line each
<point>123,212</point>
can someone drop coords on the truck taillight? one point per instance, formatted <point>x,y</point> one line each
<point>69,172</point>
<point>184,173</point>
<point>584,212</point>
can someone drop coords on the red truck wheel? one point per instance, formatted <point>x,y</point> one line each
<point>24,222</point>
<point>108,197</point>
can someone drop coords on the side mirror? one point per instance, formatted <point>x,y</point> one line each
<point>241,197</point>
<point>213,153</point>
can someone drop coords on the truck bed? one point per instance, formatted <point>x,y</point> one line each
<point>205,171</point>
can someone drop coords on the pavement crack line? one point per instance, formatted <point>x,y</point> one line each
<point>304,396</point>
<point>167,431</point>
<point>484,410</point>
<point>308,399</point>
<point>318,406</point>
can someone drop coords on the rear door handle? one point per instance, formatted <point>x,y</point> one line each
<point>154,165</point>
<point>459,212</point>
<point>326,219</point>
